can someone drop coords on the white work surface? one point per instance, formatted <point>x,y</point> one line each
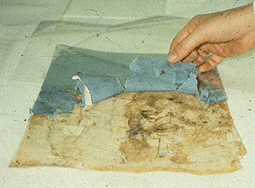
<point>25,58</point>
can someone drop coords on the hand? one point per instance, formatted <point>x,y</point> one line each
<point>224,34</point>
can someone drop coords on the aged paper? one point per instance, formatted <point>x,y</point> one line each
<point>137,132</point>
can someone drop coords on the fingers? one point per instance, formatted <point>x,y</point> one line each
<point>191,57</point>
<point>172,54</point>
<point>179,37</point>
<point>179,44</point>
<point>200,59</point>
<point>210,63</point>
<point>183,33</point>
<point>184,48</point>
<point>197,57</point>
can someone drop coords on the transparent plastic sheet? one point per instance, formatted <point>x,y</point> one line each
<point>123,11</point>
<point>150,36</point>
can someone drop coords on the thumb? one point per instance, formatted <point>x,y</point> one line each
<point>185,47</point>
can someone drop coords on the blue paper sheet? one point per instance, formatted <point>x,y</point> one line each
<point>151,75</point>
<point>154,75</point>
<point>106,74</point>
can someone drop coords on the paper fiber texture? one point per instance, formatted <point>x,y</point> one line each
<point>136,132</point>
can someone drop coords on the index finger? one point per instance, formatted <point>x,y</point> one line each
<point>189,28</point>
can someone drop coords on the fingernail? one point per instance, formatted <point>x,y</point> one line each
<point>172,56</point>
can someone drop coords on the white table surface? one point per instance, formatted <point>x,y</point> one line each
<point>18,91</point>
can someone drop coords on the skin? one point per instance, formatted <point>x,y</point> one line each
<point>224,34</point>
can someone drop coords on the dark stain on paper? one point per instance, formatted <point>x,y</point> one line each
<point>151,116</point>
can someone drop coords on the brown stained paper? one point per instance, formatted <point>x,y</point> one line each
<point>137,132</point>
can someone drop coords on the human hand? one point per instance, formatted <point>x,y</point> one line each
<point>224,34</point>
